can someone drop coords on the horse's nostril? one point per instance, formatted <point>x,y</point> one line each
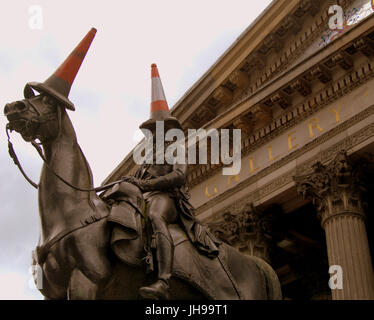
<point>20,106</point>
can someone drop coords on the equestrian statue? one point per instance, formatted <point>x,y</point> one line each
<point>138,238</point>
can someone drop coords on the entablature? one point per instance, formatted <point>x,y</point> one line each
<point>310,86</point>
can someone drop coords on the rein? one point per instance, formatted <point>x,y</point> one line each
<point>14,157</point>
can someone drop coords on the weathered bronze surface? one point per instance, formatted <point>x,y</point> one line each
<point>96,249</point>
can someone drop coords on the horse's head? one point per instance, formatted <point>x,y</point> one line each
<point>36,117</point>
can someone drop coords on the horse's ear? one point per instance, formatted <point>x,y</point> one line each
<point>28,92</point>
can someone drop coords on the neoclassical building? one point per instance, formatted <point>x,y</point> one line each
<point>303,96</point>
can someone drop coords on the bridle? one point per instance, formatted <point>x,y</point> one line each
<point>36,145</point>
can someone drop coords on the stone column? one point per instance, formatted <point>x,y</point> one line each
<point>336,192</point>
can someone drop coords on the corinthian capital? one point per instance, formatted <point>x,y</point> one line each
<point>334,188</point>
<point>248,229</point>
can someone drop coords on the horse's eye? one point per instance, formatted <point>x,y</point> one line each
<point>45,99</point>
<point>48,100</point>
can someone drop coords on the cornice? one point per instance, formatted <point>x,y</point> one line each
<point>330,93</point>
<point>251,38</point>
<point>291,27</point>
<point>296,72</point>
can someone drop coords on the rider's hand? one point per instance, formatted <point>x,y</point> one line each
<point>141,184</point>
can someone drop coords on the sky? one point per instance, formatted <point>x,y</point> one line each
<point>111,92</point>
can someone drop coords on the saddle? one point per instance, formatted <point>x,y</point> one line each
<point>129,244</point>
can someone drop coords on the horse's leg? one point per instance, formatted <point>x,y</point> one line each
<point>81,287</point>
<point>49,280</point>
<point>90,252</point>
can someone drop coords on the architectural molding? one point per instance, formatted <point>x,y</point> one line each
<point>302,86</point>
<point>366,46</point>
<point>257,60</point>
<point>245,123</point>
<point>343,59</point>
<point>324,156</point>
<point>240,79</point>
<point>322,57</point>
<point>311,104</point>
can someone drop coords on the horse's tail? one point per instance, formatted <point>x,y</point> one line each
<point>273,286</point>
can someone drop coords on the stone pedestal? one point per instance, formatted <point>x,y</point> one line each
<point>336,191</point>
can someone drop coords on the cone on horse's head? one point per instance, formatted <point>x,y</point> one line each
<point>59,83</point>
<point>159,107</point>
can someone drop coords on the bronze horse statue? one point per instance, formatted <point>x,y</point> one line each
<point>77,253</point>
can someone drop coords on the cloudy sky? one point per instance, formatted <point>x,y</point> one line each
<point>111,92</point>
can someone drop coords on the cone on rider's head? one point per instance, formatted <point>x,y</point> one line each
<point>59,83</point>
<point>159,106</point>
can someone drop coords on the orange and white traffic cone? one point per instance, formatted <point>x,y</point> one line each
<point>159,106</point>
<point>59,83</point>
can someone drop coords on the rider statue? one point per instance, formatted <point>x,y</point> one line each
<point>167,200</point>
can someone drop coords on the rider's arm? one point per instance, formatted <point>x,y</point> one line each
<point>174,179</point>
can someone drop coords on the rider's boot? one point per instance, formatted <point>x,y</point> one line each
<point>165,255</point>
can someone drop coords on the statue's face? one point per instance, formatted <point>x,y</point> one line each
<point>34,118</point>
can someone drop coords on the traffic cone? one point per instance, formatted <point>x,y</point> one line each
<point>59,83</point>
<point>159,106</point>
